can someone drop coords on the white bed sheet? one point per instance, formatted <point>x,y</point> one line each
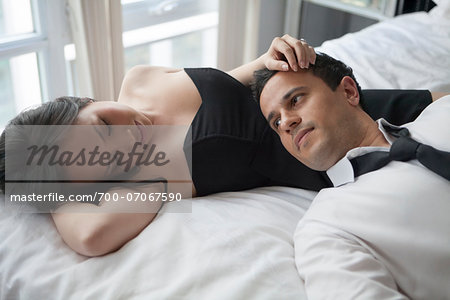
<point>411,51</point>
<point>232,246</point>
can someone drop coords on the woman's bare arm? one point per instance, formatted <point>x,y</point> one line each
<point>438,95</point>
<point>284,54</point>
<point>97,230</point>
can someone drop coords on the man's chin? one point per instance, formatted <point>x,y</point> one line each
<point>322,163</point>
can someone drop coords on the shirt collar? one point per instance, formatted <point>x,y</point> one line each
<point>342,172</point>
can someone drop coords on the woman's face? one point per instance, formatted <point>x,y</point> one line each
<point>110,113</point>
<point>113,127</point>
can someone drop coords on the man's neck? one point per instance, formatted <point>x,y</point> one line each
<point>373,137</point>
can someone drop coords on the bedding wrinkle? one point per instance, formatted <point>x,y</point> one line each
<point>407,52</point>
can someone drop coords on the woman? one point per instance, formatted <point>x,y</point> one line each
<point>231,145</point>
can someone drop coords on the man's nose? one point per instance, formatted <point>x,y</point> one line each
<point>289,121</point>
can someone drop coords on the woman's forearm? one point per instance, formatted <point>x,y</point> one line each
<point>244,73</point>
<point>95,234</point>
<point>94,230</point>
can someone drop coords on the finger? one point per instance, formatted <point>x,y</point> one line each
<point>307,57</point>
<point>289,55</point>
<point>312,55</point>
<point>302,54</point>
<point>296,46</point>
<point>287,51</point>
<point>277,65</point>
<point>301,48</point>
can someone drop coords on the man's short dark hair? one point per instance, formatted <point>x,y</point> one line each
<point>330,70</point>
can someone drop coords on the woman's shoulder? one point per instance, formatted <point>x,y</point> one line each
<point>144,78</point>
<point>144,72</point>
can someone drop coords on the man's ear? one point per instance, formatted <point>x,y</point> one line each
<point>351,90</point>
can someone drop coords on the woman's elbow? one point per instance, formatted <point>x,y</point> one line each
<point>100,234</point>
<point>94,242</point>
<point>111,233</point>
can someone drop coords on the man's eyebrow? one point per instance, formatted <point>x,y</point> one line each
<point>286,96</point>
<point>292,91</point>
<point>269,118</point>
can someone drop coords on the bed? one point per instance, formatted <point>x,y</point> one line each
<point>233,245</point>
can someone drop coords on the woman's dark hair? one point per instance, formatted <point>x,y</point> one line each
<point>61,111</point>
<point>330,70</point>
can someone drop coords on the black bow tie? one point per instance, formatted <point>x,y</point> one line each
<point>403,149</point>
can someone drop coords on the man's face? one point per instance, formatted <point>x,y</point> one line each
<point>312,121</point>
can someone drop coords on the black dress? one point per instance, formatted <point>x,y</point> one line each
<point>233,148</point>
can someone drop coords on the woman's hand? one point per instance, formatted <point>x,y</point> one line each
<point>287,53</point>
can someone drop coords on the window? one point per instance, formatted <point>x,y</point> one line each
<point>28,38</point>
<point>19,85</point>
<point>176,33</point>
<point>37,55</point>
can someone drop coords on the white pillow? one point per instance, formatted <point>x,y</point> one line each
<point>442,9</point>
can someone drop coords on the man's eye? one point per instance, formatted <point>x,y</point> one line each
<point>277,123</point>
<point>296,99</point>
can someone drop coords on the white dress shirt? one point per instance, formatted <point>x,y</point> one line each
<point>385,234</point>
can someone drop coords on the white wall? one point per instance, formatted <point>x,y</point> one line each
<point>271,22</point>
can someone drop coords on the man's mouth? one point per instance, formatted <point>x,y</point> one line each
<point>301,136</point>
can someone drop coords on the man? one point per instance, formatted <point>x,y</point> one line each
<point>384,234</point>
